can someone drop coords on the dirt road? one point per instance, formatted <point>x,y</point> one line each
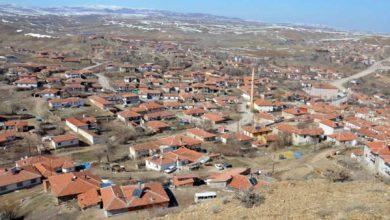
<point>377,66</point>
<point>103,80</point>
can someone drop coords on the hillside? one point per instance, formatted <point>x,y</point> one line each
<point>313,199</point>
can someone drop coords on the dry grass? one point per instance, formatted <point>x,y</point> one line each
<point>316,199</point>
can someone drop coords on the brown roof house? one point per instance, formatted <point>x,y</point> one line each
<point>69,185</point>
<point>19,178</point>
<point>66,140</point>
<point>121,199</point>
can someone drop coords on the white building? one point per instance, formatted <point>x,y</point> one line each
<point>330,127</point>
<point>377,158</point>
<point>322,90</point>
<point>19,178</point>
<point>66,140</point>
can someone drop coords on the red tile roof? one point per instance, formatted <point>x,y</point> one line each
<point>242,182</point>
<point>128,114</point>
<point>65,137</point>
<point>72,184</point>
<point>23,174</point>
<point>89,198</point>
<point>200,133</point>
<point>344,136</point>
<point>376,147</point>
<point>121,197</point>
<point>156,125</point>
<point>76,122</point>
<point>213,117</point>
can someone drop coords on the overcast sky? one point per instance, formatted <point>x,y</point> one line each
<point>362,15</point>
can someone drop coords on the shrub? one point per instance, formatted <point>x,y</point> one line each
<point>249,198</point>
<point>215,209</point>
<point>225,200</point>
<point>337,176</point>
<point>9,212</point>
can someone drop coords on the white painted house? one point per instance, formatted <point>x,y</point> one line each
<point>26,83</point>
<point>377,158</point>
<point>66,140</point>
<point>19,178</point>
<point>330,127</point>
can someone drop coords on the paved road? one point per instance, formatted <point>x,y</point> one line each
<point>377,66</point>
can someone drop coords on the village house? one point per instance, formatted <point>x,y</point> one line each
<point>235,137</point>
<point>72,102</point>
<point>255,131</point>
<point>129,116</point>
<point>354,123</point>
<point>86,74</point>
<point>178,158</point>
<point>120,199</point>
<point>307,136</point>
<point>322,90</point>
<point>89,199</point>
<point>101,102</point>
<point>200,134</point>
<point>300,136</point>
<point>157,116</point>
<point>214,118</point>
<point>49,93</point>
<point>82,127</point>
<point>263,105</point>
<point>147,94</point>
<point>194,112</point>
<point>293,112</point>
<point>156,126</point>
<point>48,165</point>
<point>19,178</point>
<point>264,119</point>
<point>6,137</point>
<point>130,99</point>
<point>16,125</point>
<point>26,83</point>
<point>377,157</point>
<point>330,127</point>
<point>223,179</point>
<point>69,185</point>
<point>185,180</point>
<point>177,141</point>
<point>144,149</point>
<point>343,138</point>
<point>66,140</point>
<point>127,68</point>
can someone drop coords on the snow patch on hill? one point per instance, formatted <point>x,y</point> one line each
<point>38,35</point>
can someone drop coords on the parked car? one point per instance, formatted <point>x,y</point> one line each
<point>227,165</point>
<point>219,166</point>
<point>170,169</point>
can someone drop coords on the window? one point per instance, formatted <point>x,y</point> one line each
<point>19,184</point>
<point>33,181</point>
<point>3,188</point>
